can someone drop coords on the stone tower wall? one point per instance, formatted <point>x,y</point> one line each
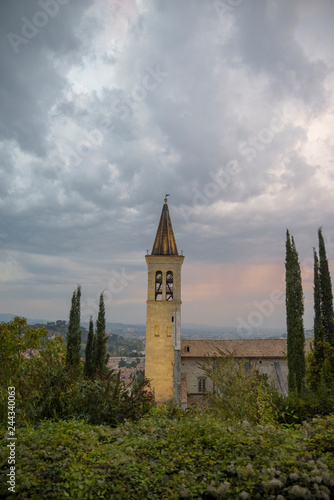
<point>160,318</point>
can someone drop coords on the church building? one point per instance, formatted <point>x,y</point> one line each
<point>174,365</point>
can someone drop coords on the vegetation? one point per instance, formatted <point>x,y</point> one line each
<point>117,345</point>
<point>327,314</point>
<point>89,351</point>
<point>122,363</point>
<point>248,444</point>
<point>321,358</point>
<point>318,323</point>
<point>241,393</point>
<point>45,388</point>
<point>100,351</point>
<point>96,356</point>
<point>16,338</point>
<point>296,409</point>
<point>74,332</point>
<point>181,456</point>
<point>294,318</point>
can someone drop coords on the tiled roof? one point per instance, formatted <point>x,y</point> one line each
<point>248,348</point>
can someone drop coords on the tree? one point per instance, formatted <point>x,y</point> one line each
<point>74,331</point>
<point>89,352</point>
<point>326,293</point>
<point>100,349</point>
<point>16,337</point>
<point>321,359</point>
<point>318,323</point>
<point>121,363</point>
<point>294,318</point>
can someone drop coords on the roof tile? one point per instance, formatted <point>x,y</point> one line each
<point>248,348</point>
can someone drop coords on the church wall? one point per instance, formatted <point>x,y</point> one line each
<point>267,367</point>
<point>190,366</point>
<point>191,371</point>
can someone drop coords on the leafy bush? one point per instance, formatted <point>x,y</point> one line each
<point>16,337</point>
<point>197,456</point>
<point>295,409</point>
<point>65,394</point>
<point>321,435</point>
<point>46,388</point>
<point>241,392</point>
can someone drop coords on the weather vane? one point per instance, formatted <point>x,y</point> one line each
<point>166,197</point>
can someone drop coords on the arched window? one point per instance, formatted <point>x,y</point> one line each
<point>158,285</point>
<point>169,285</point>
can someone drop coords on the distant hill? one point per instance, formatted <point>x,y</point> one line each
<point>188,330</point>
<point>4,318</point>
<point>8,317</point>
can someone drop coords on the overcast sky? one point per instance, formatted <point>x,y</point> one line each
<point>106,105</point>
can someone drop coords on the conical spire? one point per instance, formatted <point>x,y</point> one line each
<point>164,243</point>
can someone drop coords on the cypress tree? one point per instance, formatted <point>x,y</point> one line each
<point>89,352</point>
<point>294,318</point>
<point>318,320</point>
<point>74,331</point>
<point>100,348</point>
<point>326,293</point>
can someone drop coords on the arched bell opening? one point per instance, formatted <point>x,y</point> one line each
<point>158,285</point>
<point>169,286</point>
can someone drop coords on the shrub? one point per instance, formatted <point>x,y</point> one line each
<point>241,392</point>
<point>295,409</point>
<point>46,388</point>
<point>198,456</point>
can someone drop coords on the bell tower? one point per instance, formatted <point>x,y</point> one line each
<point>163,316</point>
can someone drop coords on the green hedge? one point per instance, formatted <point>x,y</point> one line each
<point>188,456</point>
<point>296,409</point>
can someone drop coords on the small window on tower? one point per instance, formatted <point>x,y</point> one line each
<point>169,286</point>
<point>158,285</point>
